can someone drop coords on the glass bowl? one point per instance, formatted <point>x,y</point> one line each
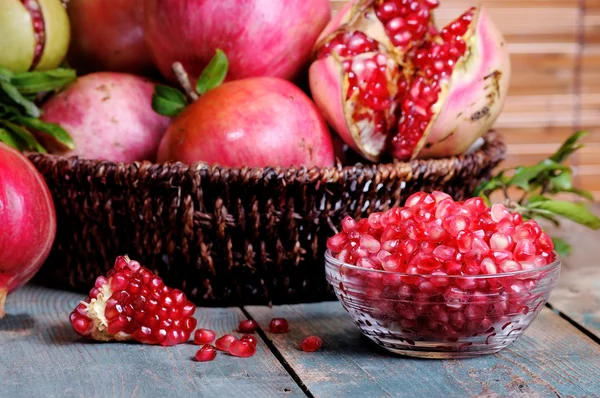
<point>431,316</point>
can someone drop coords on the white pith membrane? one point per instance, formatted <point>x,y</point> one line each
<point>95,311</point>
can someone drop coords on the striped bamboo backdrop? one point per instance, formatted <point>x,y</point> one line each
<point>555,86</point>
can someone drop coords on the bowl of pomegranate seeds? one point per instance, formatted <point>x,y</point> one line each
<point>442,279</point>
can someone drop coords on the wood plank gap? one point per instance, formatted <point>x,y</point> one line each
<point>279,356</point>
<point>577,325</point>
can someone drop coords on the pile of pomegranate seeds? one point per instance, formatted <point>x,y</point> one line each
<point>132,303</point>
<point>433,235</point>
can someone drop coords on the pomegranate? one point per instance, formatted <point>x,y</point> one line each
<point>28,221</point>
<point>455,268</point>
<point>260,37</point>
<point>204,336</point>
<point>386,80</point>
<point>107,35</point>
<point>254,122</point>
<point>247,326</point>
<point>223,342</point>
<point>132,303</point>
<point>311,344</point>
<point>278,325</point>
<point>249,338</point>
<point>109,116</point>
<point>242,348</point>
<point>34,34</point>
<point>206,354</point>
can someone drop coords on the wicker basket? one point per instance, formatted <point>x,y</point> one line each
<point>228,236</point>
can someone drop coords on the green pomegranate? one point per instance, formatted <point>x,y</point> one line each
<point>34,34</point>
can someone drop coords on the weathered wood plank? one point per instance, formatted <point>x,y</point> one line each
<point>578,292</point>
<point>40,356</point>
<point>552,359</point>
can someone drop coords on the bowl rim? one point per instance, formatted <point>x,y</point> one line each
<point>329,259</point>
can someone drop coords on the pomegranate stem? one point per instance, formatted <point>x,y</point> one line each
<point>3,293</point>
<point>184,81</point>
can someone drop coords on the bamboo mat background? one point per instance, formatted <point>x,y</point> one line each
<point>555,84</point>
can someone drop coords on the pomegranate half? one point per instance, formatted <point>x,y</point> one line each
<point>260,37</point>
<point>28,221</point>
<point>386,79</point>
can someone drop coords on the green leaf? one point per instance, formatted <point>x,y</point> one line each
<point>53,130</point>
<point>214,74</point>
<point>494,183</point>
<point>9,139</point>
<point>525,175</point>
<point>581,192</point>
<point>168,101</point>
<point>5,75</point>
<point>562,247</point>
<point>561,182</point>
<point>36,82</point>
<point>29,140</point>
<point>570,210</point>
<point>547,216</point>
<point>568,147</point>
<point>14,94</point>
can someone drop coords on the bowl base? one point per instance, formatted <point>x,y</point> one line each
<point>441,355</point>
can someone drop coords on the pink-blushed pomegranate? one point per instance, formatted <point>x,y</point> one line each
<point>247,326</point>
<point>206,354</point>
<point>109,116</point>
<point>204,336</point>
<point>279,325</point>
<point>242,349</point>
<point>28,221</point>
<point>311,344</point>
<point>386,80</point>
<point>255,122</point>
<point>223,342</point>
<point>249,338</point>
<point>107,35</point>
<point>443,269</point>
<point>132,303</point>
<point>260,37</point>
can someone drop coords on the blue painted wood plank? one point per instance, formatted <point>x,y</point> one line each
<point>40,356</point>
<point>552,359</point>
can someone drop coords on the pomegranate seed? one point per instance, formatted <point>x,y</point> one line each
<point>242,349</point>
<point>223,342</point>
<point>278,325</point>
<point>250,339</point>
<point>371,244</point>
<point>544,242</point>
<point>337,242</point>
<point>206,353</point>
<point>510,266</point>
<point>499,212</point>
<point>444,253</point>
<point>455,224</point>
<point>247,326</point>
<point>349,224</point>
<point>525,250</point>
<point>311,344</point>
<point>204,336</point>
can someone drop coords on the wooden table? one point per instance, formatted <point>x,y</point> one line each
<point>559,355</point>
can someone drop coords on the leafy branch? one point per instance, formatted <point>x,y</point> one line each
<point>536,187</point>
<point>19,113</point>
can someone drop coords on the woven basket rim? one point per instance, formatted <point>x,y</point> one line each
<point>493,147</point>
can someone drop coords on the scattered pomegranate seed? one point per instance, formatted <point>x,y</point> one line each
<point>247,326</point>
<point>242,348</point>
<point>132,303</point>
<point>311,343</point>
<point>204,336</point>
<point>223,342</point>
<point>206,353</point>
<point>250,339</point>
<point>278,325</point>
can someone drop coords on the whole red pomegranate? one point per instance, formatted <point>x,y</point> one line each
<point>110,117</point>
<point>254,122</point>
<point>107,35</point>
<point>28,221</point>
<point>260,37</point>
<point>386,78</point>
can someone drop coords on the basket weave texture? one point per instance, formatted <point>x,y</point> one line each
<point>228,236</point>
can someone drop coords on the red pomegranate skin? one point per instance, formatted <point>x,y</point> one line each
<point>260,37</point>
<point>27,218</point>
<point>107,35</point>
<point>255,122</point>
<point>109,116</point>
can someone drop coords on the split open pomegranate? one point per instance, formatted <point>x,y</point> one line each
<point>132,303</point>
<point>386,79</point>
